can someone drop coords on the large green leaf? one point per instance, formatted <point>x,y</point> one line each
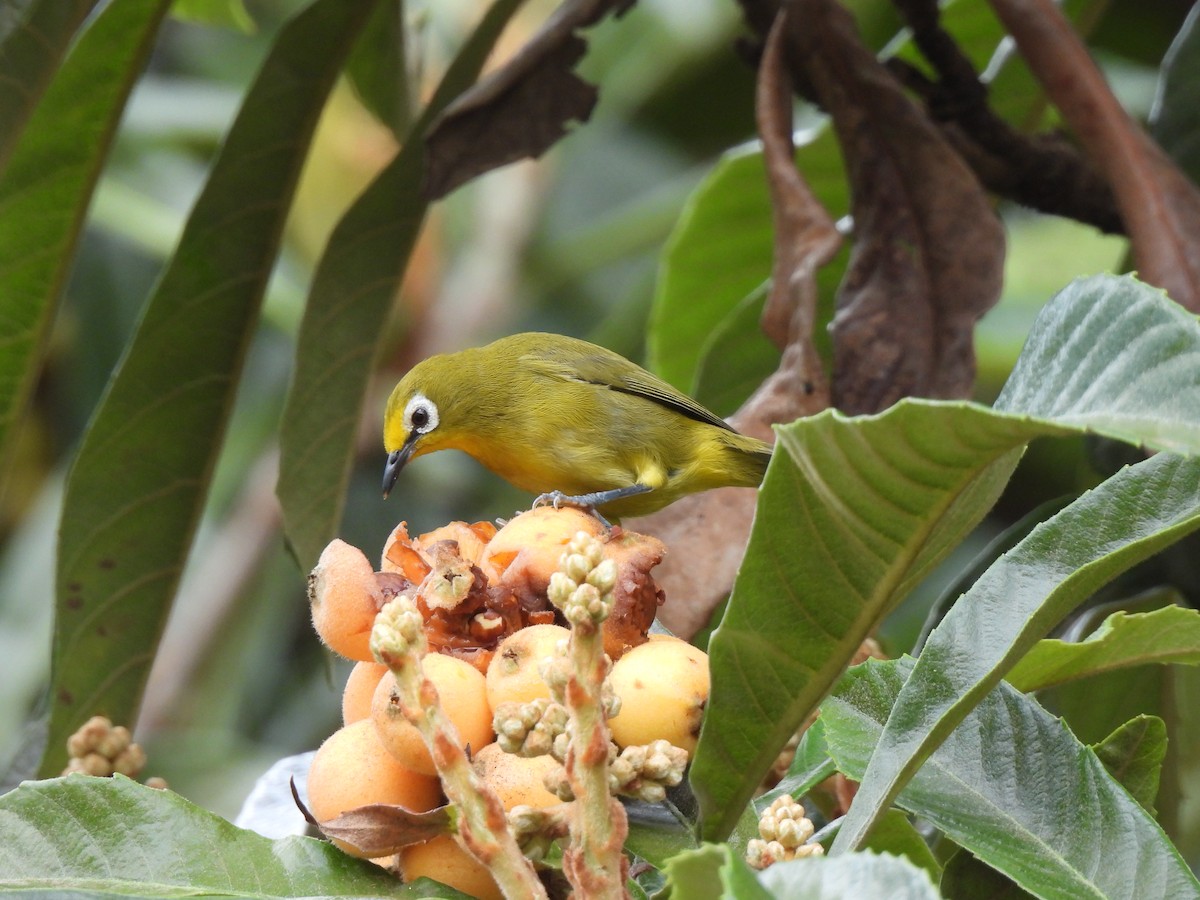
<point>1109,355</point>
<point>1167,635</point>
<point>1126,519</point>
<point>854,512</point>
<point>45,191</point>
<point>1018,790</point>
<point>34,37</point>
<point>111,837</point>
<point>139,482</point>
<point>344,320</point>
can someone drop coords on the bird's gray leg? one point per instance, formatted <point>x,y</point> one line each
<point>593,500</point>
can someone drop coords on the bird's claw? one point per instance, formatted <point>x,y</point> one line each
<point>558,500</point>
<point>551,498</point>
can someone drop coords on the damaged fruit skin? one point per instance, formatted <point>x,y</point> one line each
<point>473,594</point>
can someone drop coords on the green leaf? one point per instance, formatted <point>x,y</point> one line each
<point>216,13</point>
<point>1114,356</point>
<point>855,512</point>
<point>45,191</point>
<point>1110,355</point>
<point>720,252</point>
<point>378,67</point>
<point>115,837</point>
<point>1175,118</point>
<point>883,498</point>
<point>966,878</point>
<point>1015,787</point>
<point>34,38</point>
<point>1167,635</point>
<point>811,765</point>
<point>1134,754</point>
<point>850,877</point>
<point>657,833</point>
<point>1125,520</point>
<point>344,320</point>
<point>141,476</point>
<point>712,872</point>
<point>898,836</point>
<point>736,358</point>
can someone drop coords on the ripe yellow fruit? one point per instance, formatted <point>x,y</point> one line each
<point>516,779</point>
<point>663,686</point>
<point>442,859</point>
<point>528,548</point>
<point>512,675</point>
<point>360,688</point>
<point>462,694</point>
<point>345,599</point>
<point>352,769</point>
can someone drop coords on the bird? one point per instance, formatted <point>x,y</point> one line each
<point>573,422</point>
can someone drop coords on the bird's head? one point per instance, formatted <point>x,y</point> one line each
<point>420,416</point>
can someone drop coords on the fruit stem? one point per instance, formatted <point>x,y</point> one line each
<point>582,589</point>
<point>398,641</point>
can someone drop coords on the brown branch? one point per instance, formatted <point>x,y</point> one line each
<point>1159,204</point>
<point>1044,172</point>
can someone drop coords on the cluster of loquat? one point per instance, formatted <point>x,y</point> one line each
<point>491,629</point>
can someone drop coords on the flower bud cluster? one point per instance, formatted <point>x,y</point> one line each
<point>103,749</point>
<point>785,831</point>
<point>646,771</point>
<point>530,729</point>
<point>582,587</point>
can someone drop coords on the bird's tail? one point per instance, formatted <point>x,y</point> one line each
<point>751,462</point>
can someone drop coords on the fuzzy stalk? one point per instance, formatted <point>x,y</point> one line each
<point>398,641</point>
<point>593,862</point>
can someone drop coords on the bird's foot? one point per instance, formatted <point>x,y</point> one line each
<point>586,502</point>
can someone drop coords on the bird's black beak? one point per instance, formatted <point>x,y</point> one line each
<point>395,462</point>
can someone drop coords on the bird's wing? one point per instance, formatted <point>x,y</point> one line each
<point>595,365</point>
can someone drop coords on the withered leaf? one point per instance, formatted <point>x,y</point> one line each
<point>928,256</point>
<point>522,108</point>
<point>805,240</point>
<point>380,829</point>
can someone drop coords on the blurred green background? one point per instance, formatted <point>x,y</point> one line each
<point>570,243</point>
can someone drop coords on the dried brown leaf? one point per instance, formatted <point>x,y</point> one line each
<point>929,251</point>
<point>805,240</point>
<point>382,829</point>
<point>522,108</point>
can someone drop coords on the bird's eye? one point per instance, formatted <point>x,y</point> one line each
<point>421,415</point>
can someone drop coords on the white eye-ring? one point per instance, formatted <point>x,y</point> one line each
<point>421,415</point>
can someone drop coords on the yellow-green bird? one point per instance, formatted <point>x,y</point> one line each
<point>568,420</point>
